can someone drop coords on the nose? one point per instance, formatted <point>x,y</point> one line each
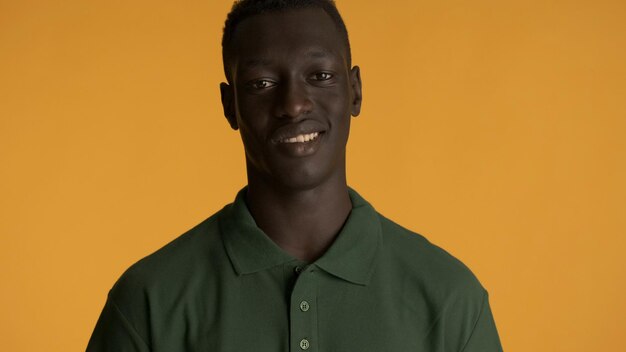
<point>293,100</point>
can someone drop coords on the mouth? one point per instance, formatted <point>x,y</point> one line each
<point>301,138</point>
<point>300,144</point>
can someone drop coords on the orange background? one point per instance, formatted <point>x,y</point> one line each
<point>496,129</point>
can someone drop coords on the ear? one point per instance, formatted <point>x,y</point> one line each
<point>228,95</point>
<point>357,94</point>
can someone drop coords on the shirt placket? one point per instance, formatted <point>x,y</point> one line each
<point>303,311</point>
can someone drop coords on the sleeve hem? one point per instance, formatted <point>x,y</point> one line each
<point>482,306</point>
<point>128,324</point>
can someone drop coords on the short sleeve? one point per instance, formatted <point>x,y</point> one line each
<point>484,336</point>
<point>114,333</point>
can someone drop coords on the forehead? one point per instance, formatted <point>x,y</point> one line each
<point>291,34</point>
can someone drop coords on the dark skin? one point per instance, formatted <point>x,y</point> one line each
<point>291,94</point>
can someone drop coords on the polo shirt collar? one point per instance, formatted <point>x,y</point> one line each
<point>351,257</point>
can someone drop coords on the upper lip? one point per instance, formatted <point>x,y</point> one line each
<point>293,130</point>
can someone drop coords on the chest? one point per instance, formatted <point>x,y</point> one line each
<point>308,311</point>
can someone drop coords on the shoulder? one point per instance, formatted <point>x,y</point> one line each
<point>427,266</point>
<point>173,266</point>
<point>154,286</point>
<point>439,286</point>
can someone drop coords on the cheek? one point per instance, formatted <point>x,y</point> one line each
<point>252,119</point>
<point>337,97</point>
<point>251,135</point>
<point>337,108</point>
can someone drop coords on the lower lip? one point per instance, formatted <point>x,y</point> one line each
<point>300,149</point>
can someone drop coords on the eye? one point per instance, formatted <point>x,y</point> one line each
<point>262,84</point>
<point>322,76</point>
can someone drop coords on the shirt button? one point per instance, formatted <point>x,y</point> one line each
<point>298,269</point>
<point>304,344</point>
<point>304,306</point>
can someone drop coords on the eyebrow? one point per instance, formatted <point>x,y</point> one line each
<point>252,63</point>
<point>317,53</point>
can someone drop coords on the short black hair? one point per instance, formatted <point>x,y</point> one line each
<point>243,9</point>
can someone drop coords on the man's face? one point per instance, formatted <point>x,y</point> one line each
<point>291,96</point>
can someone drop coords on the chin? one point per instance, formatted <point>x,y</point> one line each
<point>298,174</point>
<point>300,179</point>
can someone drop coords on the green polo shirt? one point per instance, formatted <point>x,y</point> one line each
<point>225,286</point>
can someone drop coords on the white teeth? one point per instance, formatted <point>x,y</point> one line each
<point>301,138</point>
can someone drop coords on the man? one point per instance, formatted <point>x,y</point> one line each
<point>299,261</point>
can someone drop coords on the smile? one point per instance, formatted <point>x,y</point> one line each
<point>301,138</point>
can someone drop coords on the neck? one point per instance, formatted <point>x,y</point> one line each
<point>303,222</point>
